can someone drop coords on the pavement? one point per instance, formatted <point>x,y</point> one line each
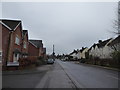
<point>56,78</point>
<point>46,76</point>
<point>23,78</point>
<point>26,71</point>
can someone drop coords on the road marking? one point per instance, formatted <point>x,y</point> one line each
<point>75,83</point>
<point>113,77</point>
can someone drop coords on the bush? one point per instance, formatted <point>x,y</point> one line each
<point>113,62</point>
<point>116,55</point>
<point>82,60</point>
<point>87,55</point>
<point>27,61</point>
<point>116,59</point>
<point>38,63</point>
<point>41,61</point>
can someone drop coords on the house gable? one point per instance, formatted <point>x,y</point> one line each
<point>37,43</point>
<point>10,24</point>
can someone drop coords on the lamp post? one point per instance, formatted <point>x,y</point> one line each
<point>53,52</point>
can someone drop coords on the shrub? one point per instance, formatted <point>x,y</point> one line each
<point>40,61</point>
<point>87,55</point>
<point>32,59</point>
<point>116,59</point>
<point>27,61</point>
<point>116,55</point>
<point>82,60</point>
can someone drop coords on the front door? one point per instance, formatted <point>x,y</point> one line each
<point>16,57</point>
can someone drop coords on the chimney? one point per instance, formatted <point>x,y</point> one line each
<point>100,41</point>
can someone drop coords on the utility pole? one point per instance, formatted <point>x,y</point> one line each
<point>53,51</point>
<point>53,48</point>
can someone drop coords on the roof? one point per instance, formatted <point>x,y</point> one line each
<point>100,44</point>
<point>11,24</point>
<point>103,43</point>
<point>75,51</point>
<point>92,46</point>
<point>37,43</point>
<point>83,48</point>
<point>32,44</point>
<point>115,41</point>
<point>44,50</point>
<point>25,31</point>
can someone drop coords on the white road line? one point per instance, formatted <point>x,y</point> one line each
<point>113,77</point>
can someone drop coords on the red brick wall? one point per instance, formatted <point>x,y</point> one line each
<point>5,42</point>
<point>40,51</point>
<point>0,37</point>
<point>14,46</point>
<point>25,50</point>
<point>32,50</point>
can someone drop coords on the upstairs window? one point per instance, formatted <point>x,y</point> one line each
<point>25,45</point>
<point>17,40</point>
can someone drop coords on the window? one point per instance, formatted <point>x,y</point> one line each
<point>17,40</point>
<point>25,45</point>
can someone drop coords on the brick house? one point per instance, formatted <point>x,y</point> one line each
<point>35,48</point>
<point>11,40</point>
<point>0,43</point>
<point>25,43</point>
<point>44,52</point>
<point>0,47</point>
<point>32,49</point>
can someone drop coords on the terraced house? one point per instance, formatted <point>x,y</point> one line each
<point>36,48</point>
<point>104,49</point>
<point>15,44</point>
<point>114,45</point>
<point>11,41</point>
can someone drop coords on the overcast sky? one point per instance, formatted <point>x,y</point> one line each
<point>68,25</point>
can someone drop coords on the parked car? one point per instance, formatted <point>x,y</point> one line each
<point>50,61</point>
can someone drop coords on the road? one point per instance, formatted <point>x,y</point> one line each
<point>63,75</point>
<point>86,76</point>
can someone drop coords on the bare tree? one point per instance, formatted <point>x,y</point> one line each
<point>116,27</point>
<point>116,23</point>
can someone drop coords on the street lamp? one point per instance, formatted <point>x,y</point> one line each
<point>53,52</point>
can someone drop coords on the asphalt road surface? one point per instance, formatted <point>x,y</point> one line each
<point>87,76</point>
<point>62,75</point>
